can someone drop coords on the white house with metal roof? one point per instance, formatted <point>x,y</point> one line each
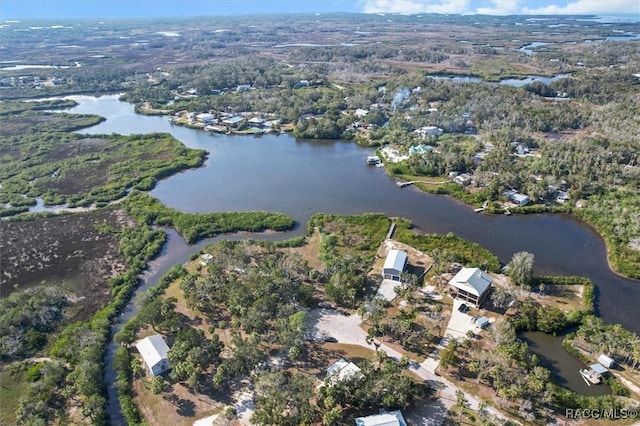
<point>471,285</point>
<point>205,118</point>
<point>394,265</point>
<point>392,418</point>
<point>154,351</point>
<point>343,370</point>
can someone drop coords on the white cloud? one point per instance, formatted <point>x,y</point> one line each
<point>587,7</point>
<point>500,7</point>
<point>503,7</point>
<point>416,6</point>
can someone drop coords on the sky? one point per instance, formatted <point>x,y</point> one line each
<point>23,9</point>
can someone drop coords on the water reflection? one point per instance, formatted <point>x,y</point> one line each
<point>301,178</point>
<point>565,368</point>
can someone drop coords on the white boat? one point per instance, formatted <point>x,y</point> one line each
<point>590,376</point>
<point>373,160</point>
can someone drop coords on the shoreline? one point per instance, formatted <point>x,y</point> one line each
<point>592,227</point>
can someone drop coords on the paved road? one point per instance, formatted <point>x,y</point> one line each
<point>346,329</point>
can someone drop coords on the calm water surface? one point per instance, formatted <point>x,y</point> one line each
<point>301,178</point>
<point>565,368</point>
<point>514,82</point>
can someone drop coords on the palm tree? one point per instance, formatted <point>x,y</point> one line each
<point>461,403</point>
<point>482,409</point>
<point>520,269</point>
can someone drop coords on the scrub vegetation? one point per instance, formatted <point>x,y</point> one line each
<point>567,141</point>
<point>44,159</point>
<point>194,226</point>
<point>80,269</point>
<point>248,302</point>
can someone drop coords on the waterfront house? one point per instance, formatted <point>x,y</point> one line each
<point>206,259</point>
<point>514,196</point>
<point>205,118</point>
<point>154,351</point>
<point>234,122</point>
<point>471,285</point>
<point>391,418</point>
<point>428,131</point>
<point>562,197</point>
<point>420,149</point>
<point>256,122</point>
<point>394,265</point>
<point>270,124</point>
<point>520,199</point>
<point>463,179</point>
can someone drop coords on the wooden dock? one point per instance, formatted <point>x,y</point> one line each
<point>403,184</point>
<point>391,229</point>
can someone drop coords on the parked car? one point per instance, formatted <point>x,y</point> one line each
<point>463,308</point>
<point>325,305</point>
<point>329,339</point>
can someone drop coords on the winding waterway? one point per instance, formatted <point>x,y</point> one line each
<point>513,82</point>
<point>300,178</point>
<point>564,367</point>
<point>175,251</point>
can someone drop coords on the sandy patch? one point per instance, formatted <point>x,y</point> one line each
<point>207,421</point>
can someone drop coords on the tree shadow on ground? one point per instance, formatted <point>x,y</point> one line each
<point>432,412</point>
<point>184,407</point>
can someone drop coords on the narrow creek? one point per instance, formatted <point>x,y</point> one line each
<point>175,251</point>
<point>300,178</point>
<point>564,367</point>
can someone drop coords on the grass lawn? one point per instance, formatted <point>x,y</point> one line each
<point>564,297</point>
<point>12,385</point>
<point>351,352</point>
<point>179,407</point>
<point>309,250</point>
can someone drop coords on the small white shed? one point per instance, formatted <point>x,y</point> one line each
<point>606,361</point>
<point>154,351</point>
<point>482,322</point>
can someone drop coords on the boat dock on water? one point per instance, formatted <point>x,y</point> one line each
<point>593,374</point>
<point>373,160</point>
<point>590,376</point>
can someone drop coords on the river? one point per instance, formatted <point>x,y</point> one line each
<point>300,178</point>
<point>513,82</point>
